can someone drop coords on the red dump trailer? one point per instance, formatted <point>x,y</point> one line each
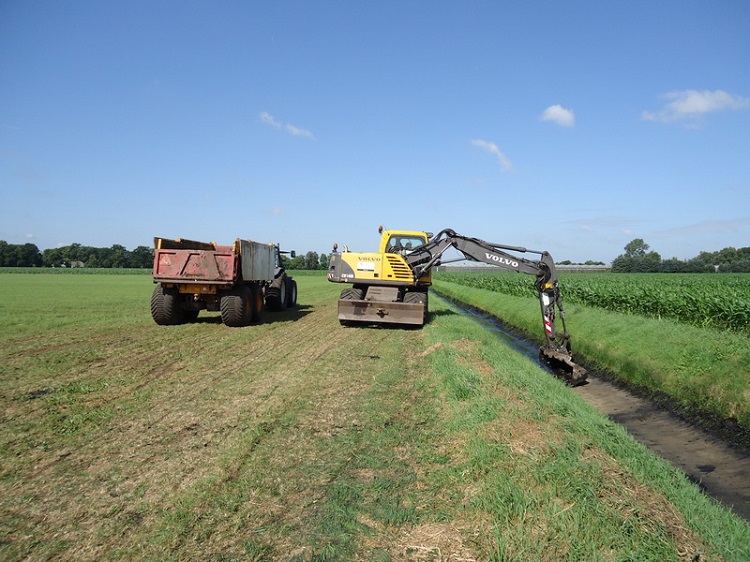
<point>236,280</point>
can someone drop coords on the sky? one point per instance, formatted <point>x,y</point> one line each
<point>572,127</point>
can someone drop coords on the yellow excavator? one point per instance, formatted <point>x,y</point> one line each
<point>391,286</point>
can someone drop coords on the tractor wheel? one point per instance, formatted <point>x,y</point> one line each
<point>276,297</point>
<point>166,309</point>
<point>236,309</point>
<point>291,299</point>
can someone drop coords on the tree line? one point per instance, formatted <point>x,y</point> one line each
<point>75,255</point>
<point>117,256</point>
<point>638,258</point>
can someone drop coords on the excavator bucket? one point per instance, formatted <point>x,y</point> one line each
<point>561,363</point>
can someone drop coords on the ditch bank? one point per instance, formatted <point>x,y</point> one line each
<point>717,463</point>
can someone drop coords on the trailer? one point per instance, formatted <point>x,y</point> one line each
<point>238,280</point>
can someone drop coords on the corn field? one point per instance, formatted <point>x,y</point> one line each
<point>718,301</point>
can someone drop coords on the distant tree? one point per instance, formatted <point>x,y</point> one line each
<point>142,257</point>
<point>312,260</point>
<point>297,262</point>
<point>701,264</point>
<point>118,256</point>
<point>636,248</point>
<point>323,262</point>
<point>52,257</point>
<point>637,259</point>
<point>19,255</point>
<point>673,265</point>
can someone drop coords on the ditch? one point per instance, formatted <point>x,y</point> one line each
<point>718,466</point>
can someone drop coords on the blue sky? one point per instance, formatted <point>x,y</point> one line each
<point>573,127</point>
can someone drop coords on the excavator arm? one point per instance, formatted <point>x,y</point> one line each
<point>556,353</point>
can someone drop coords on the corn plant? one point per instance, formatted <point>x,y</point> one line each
<point>706,300</point>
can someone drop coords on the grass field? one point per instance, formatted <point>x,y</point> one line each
<point>301,440</point>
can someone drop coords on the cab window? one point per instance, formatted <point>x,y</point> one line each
<point>403,244</point>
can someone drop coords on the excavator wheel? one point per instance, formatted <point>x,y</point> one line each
<point>417,297</point>
<point>352,294</point>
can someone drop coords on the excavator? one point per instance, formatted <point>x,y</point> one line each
<point>391,286</point>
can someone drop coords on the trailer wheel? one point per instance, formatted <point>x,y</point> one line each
<point>236,308</point>
<point>166,309</point>
<point>276,296</point>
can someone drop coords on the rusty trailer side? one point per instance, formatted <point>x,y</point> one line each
<point>187,261</point>
<point>207,266</point>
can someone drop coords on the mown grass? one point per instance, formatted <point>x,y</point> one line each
<point>703,369</point>
<point>300,440</point>
<point>554,479</point>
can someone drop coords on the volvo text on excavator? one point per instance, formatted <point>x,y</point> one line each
<point>391,286</point>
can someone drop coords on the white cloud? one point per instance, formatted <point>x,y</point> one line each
<point>493,149</point>
<point>560,115</point>
<point>297,132</point>
<point>691,104</point>
<point>289,128</point>
<point>268,118</point>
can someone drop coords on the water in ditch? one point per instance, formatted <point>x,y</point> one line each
<point>720,468</point>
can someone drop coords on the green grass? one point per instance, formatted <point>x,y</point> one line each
<point>553,478</point>
<point>701,368</point>
<point>300,440</point>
